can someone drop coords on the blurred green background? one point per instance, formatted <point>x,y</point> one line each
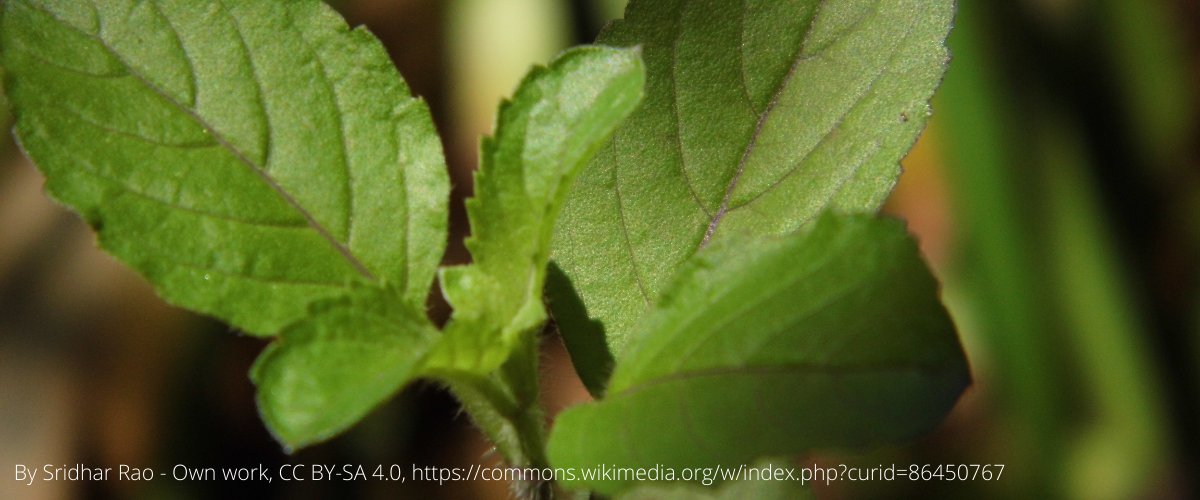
<point>1056,194</point>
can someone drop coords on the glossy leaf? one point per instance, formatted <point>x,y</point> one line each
<point>552,126</point>
<point>758,115</point>
<point>245,156</point>
<point>832,336</point>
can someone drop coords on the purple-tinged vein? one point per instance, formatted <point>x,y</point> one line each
<point>836,125</point>
<point>762,120</point>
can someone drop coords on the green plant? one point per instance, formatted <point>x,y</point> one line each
<point>717,263</point>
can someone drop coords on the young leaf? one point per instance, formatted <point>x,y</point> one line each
<point>329,370</point>
<point>245,156</point>
<point>758,115</point>
<point>555,121</point>
<point>828,337</point>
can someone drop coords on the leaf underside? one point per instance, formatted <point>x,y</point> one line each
<point>246,157</point>
<point>758,115</point>
<point>833,336</point>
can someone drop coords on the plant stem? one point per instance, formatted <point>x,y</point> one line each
<point>505,406</point>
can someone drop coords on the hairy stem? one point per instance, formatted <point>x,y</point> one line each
<point>505,406</point>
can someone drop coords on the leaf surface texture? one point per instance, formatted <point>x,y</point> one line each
<point>247,157</point>
<point>832,336</point>
<point>758,115</point>
<point>544,135</point>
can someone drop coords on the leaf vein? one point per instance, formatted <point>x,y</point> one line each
<point>712,227</point>
<point>260,279</point>
<point>193,85</point>
<point>742,58</point>
<point>136,192</point>
<point>81,117</point>
<point>836,125</point>
<point>345,150</point>
<point>687,180</point>
<point>762,120</point>
<point>637,277</point>
<point>237,153</point>
<point>76,71</point>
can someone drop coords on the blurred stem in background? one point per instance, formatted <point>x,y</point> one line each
<point>491,44</point>
<point>1119,448</point>
<point>1071,345</point>
<point>1147,54</point>
<point>997,268</point>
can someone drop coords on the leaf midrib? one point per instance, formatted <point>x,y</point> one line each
<point>766,114</point>
<point>762,120</point>
<point>837,124</point>
<point>237,153</point>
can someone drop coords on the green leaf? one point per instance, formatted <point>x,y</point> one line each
<point>350,354</point>
<point>758,115</point>
<point>832,336</point>
<point>553,125</point>
<point>326,372</point>
<point>245,156</point>
<point>755,488</point>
